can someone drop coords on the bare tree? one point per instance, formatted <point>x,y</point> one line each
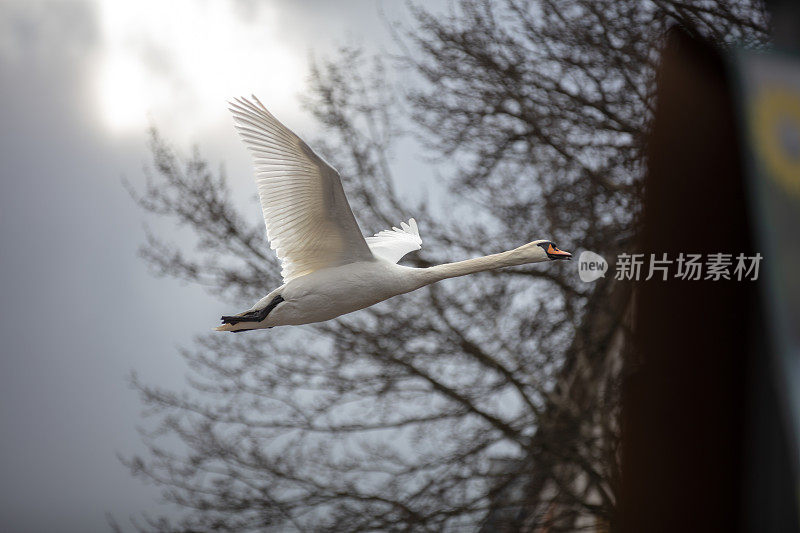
<point>475,402</point>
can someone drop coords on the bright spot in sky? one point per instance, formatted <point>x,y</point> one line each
<point>178,62</point>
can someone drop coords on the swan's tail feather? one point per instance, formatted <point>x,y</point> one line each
<point>235,328</point>
<point>232,322</point>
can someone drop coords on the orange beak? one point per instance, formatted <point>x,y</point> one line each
<point>555,253</point>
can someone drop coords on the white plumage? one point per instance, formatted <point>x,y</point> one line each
<point>309,222</point>
<point>328,267</point>
<point>393,244</point>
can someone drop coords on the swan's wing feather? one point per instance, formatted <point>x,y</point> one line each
<point>393,244</point>
<point>309,223</point>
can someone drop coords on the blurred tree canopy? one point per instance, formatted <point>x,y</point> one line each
<point>446,409</point>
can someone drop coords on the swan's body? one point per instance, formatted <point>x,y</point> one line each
<point>329,268</point>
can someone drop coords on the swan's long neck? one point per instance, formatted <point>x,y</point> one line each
<point>513,257</point>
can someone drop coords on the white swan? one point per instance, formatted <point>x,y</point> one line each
<point>329,268</point>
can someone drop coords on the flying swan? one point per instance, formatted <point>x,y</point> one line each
<point>329,268</point>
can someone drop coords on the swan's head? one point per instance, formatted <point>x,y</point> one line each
<point>549,251</point>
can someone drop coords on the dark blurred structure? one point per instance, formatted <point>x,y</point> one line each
<point>706,443</point>
<point>785,20</point>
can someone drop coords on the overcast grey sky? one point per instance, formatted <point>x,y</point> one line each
<point>79,82</point>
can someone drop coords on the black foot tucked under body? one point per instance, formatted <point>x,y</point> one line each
<point>253,316</point>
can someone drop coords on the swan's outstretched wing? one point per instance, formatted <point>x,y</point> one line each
<point>309,223</point>
<point>393,244</point>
